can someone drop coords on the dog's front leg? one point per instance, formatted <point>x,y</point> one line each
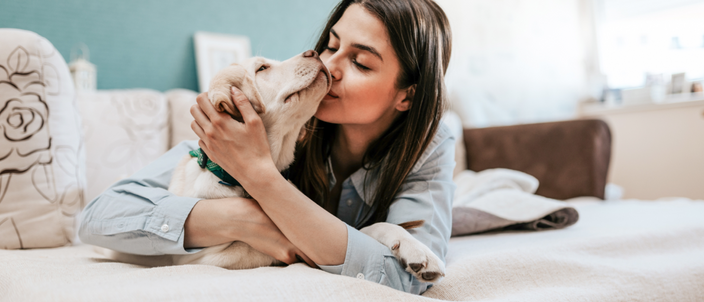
<point>414,256</point>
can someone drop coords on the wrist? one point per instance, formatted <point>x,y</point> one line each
<point>260,176</point>
<point>209,224</point>
<point>235,224</point>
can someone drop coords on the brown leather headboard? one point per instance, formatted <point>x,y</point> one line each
<point>569,158</point>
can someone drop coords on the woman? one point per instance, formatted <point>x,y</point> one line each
<point>376,152</point>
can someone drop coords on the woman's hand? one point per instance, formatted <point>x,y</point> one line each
<point>217,221</point>
<point>242,149</point>
<point>263,235</point>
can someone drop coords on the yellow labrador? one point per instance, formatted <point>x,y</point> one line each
<point>285,96</point>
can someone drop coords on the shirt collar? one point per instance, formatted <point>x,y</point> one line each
<point>358,177</point>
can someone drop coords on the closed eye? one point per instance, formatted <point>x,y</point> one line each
<point>360,66</point>
<point>354,61</point>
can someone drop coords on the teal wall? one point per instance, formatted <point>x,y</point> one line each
<point>149,43</point>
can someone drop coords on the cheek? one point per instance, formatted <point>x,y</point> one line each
<point>365,100</point>
<point>370,92</point>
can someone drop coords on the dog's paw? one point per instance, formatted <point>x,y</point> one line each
<point>418,260</point>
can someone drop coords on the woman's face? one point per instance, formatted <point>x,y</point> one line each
<point>364,68</point>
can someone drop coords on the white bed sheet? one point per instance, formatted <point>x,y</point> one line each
<point>618,251</point>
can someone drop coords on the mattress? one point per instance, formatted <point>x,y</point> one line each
<point>629,250</point>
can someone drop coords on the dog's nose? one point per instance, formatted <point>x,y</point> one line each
<point>310,53</point>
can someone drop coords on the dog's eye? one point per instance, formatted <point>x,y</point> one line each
<point>262,68</point>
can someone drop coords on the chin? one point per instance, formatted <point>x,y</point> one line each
<point>327,113</point>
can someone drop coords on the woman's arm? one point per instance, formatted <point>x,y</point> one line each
<point>207,225</point>
<point>139,215</point>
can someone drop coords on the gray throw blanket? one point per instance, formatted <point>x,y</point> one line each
<point>503,199</point>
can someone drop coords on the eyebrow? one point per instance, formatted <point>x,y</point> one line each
<point>360,46</point>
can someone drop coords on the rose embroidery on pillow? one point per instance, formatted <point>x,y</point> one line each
<point>24,140</point>
<point>41,170</point>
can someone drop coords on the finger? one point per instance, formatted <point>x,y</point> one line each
<point>204,147</point>
<point>243,104</point>
<point>206,106</point>
<point>286,257</point>
<point>197,129</point>
<point>238,95</point>
<point>203,126</point>
<point>199,116</point>
<point>303,258</point>
<point>201,98</point>
<point>202,95</point>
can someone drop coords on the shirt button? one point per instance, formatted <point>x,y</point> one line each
<point>165,228</point>
<point>360,276</point>
<point>349,202</point>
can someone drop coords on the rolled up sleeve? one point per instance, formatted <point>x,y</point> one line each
<point>425,195</point>
<point>139,215</point>
<point>370,260</point>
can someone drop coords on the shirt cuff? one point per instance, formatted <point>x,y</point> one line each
<point>370,260</point>
<point>168,222</point>
<point>364,258</point>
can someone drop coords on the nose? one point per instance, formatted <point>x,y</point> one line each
<point>310,53</point>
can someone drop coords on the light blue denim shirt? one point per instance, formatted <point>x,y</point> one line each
<point>139,215</point>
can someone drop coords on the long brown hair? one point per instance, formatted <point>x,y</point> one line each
<point>420,36</point>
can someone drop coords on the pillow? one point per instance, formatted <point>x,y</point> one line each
<point>41,152</point>
<point>180,102</point>
<point>124,130</point>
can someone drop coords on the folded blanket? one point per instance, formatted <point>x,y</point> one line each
<point>503,199</point>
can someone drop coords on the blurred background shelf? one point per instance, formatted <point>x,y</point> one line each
<point>658,149</point>
<point>672,101</point>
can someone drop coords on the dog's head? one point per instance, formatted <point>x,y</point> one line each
<point>283,93</point>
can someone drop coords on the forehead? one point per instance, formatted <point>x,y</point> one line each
<point>359,26</point>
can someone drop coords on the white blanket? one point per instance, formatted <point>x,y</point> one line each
<point>618,251</point>
<point>499,198</point>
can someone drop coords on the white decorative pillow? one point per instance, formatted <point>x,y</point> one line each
<point>124,130</point>
<point>180,102</point>
<point>41,153</point>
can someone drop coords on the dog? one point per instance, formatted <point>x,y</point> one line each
<point>285,99</point>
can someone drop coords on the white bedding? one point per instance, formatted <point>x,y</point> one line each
<point>617,251</point>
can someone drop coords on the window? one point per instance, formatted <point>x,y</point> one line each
<point>651,38</point>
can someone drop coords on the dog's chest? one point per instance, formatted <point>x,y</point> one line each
<point>202,183</point>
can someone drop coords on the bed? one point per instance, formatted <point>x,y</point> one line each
<point>629,250</point>
<point>618,250</point>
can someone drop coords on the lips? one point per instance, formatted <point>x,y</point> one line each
<point>332,94</point>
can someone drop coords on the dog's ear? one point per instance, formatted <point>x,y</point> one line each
<point>220,90</point>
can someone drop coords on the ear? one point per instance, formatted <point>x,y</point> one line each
<point>221,96</point>
<point>405,97</point>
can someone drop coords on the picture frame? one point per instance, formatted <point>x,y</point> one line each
<point>216,51</point>
<point>677,83</point>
